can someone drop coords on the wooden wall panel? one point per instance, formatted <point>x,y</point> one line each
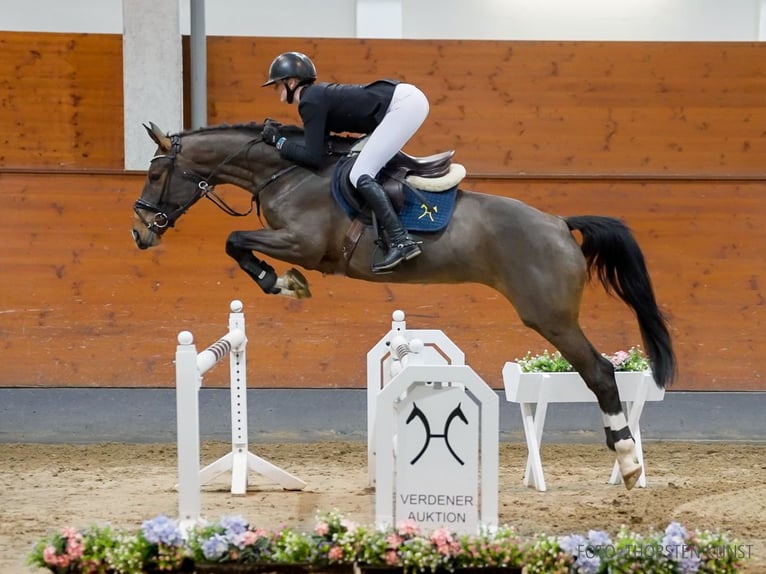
<point>61,101</point>
<point>669,136</point>
<point>563,108</point>
<point>83,307</point>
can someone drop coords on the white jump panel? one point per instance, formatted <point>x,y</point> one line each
<point>436,438</point>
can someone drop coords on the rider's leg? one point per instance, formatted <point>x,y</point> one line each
<point>405,114</point>
<point>400,245</point>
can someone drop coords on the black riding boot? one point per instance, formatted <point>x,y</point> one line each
<point>401,246</point>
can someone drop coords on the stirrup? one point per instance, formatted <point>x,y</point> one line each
<point>404,252</point>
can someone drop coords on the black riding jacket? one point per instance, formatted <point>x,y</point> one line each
<point>337,108</point>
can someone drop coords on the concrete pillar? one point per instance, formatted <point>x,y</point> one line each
<point>379,19</point>
<point>762,22</point>
<point>198,64</point>
<point>152,71</point>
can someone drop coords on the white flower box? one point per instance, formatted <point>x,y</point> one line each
<point>534,391</point>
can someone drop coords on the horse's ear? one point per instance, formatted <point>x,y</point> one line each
<point>160,138</point>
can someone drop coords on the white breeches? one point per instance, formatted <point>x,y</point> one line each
<point>406,113</point>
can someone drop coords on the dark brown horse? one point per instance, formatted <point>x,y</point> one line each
<point>529,256</point>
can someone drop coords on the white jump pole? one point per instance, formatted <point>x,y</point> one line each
<point>188,381</point>
<point>190,367</point>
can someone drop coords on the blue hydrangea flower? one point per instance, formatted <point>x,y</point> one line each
<point>162,530</point>
<point>675,533</point>
<point>599,538</point>
<point>674,541</point>
<point>573,544</point>
<point>233,525</point>
<point>690,564</point>
<point>588,563</point>
<point>215,547</point>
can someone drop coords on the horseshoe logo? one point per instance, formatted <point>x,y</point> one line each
<point>457,412</point>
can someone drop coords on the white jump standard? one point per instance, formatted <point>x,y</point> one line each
<point>190,368</point>
<point>383,364</point>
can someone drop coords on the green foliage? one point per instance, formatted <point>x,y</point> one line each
<point>633,359</point>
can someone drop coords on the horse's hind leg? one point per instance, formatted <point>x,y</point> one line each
<point>549,303</point>
<point>598,374</point>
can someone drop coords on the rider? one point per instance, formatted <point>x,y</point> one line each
<point>389,111</point>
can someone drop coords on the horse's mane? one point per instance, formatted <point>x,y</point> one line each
<point>255,128</point>
<point>249,127</point>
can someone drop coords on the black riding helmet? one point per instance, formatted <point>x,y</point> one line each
<point>292,65</point>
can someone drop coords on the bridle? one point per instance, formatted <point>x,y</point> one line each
<point>162,220</point>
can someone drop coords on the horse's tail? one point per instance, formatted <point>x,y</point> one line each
<point>612,252</point>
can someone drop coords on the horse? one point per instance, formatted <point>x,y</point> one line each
<point>531,257</point>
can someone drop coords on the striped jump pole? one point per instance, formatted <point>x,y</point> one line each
<point>190,369</point>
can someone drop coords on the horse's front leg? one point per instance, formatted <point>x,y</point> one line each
<point>240,246</point>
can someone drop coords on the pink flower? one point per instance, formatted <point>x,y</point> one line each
<point>322,528</point>
<point>49,555</point>
<point>392,558</point>
<point>394,540</point>
<point>441,536</point>
<point>249,537</point>
<point>409,528</point>
<point>618,358</point>
<point>335,553</point>
<point>70,532</point>
<point>74,548</point>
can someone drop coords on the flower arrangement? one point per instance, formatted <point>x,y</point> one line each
<point>633,359</point>
<point>670,552</point>
<point>160,546</point>
<point>408,548</point>
<point>231,539</point>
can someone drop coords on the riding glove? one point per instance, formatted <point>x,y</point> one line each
<point>270,133</point>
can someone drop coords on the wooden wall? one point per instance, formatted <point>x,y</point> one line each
<point>61,101</point>
<point>669,137</point>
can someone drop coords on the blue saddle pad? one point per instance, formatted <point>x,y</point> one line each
<point>423,212</point>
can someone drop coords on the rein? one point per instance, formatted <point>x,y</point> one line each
<point>162,220</point>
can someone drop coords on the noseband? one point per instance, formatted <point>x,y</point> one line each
<point>162,220</point>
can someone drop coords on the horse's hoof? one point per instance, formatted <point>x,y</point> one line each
<point>628,461</point>
<point>297,283</point>
<point>631,478</point>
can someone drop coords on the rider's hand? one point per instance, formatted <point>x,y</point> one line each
<point>270,133</point>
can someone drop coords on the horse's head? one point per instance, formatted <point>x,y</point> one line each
<point>187,166</point>
<point>170,189</point>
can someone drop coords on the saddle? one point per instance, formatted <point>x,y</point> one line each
<point>403,172</point>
